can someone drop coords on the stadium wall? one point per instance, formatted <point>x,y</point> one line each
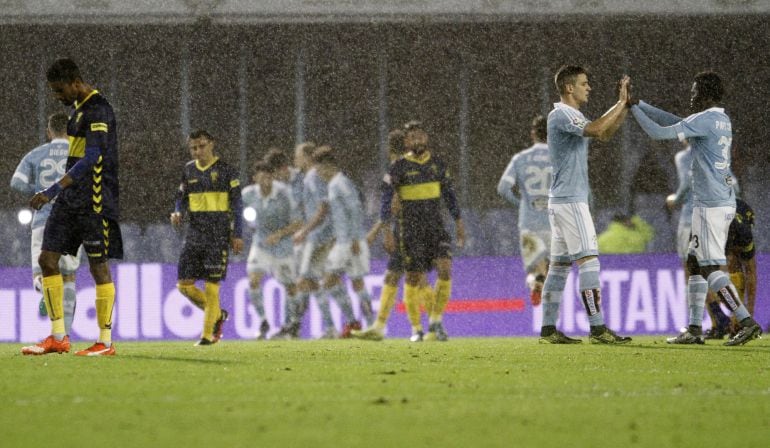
<point>642,294</point>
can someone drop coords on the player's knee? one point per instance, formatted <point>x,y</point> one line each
<point>49,264</point>
<point>692,265</point>
<point>705,271</point>
<point>392,278</point>
<point>413,278</point>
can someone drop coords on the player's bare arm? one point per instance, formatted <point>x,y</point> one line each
<point>605,126</point>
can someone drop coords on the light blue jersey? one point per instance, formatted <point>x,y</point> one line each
<point>683,194</point>
<point>710,135</point>
<point>314,193</point>
<point>529,171</point>
<point>296,179</point>
<point>38,170</point>
<point>346,209</point>
<point>274,212</point>
<point>569,155</point>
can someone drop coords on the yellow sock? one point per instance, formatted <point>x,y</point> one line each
<point>740,283</point>
<point>412,303</point>
<point>428,296</point>
<point>53,292</point>
<point>387,300</point>
<point>212,311</point>
<point>443,291</point>
<point>193,294</point>
<point>105,301</point>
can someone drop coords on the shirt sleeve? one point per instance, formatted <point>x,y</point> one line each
<point>660,116</point>
<point>98,122</point>
<point>181,201</point>
<point>236,205</point>
<point>654,130</point>
<point>569,121</point>
<point>507,182</point>
<point>24,177</point>
<point>448,195</point>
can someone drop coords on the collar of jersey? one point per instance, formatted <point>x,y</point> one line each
<point>421,160</point>
<point>204,168</point>
<point>59,140</point>
<point>93,92</point>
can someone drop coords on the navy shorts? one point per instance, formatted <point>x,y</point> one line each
<point>420,247</point>
<point>66,229</point>
<point>203,262</point>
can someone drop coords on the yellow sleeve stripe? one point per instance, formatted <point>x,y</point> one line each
<point>210,202</point>
<point>97,127</point>
<point>420,192</point>
<point>234,183</point>
<point>77,146</point>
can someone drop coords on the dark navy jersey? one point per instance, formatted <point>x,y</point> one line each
<point>210,195</point>
<point>92,124</point>
<point>740,237</point>
<point>420,184</point>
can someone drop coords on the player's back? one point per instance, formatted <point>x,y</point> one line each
<point>274,212</point>
<point>710,135</point>
<point>568,150</point>
<point>314,193</point>
<point>532,170</point>
<point>40,168</point>
<point>346,208</point>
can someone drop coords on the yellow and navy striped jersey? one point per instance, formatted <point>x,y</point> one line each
<point>421,183</point>
<point>92,124</point>
<point>212,197</point>
<point>740,237</point>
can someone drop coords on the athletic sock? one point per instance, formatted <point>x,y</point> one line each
<point>53,293</point>
<point>340,295</point>
<point>105,301</point>
<point>69,305</point>
<point>443,292</point>
<point>212,312</point>
<point>588,278</point>
<point>553,290</point>
<point>696,299</point>
<point>193,294</point>
<point>720,283</point>
<point>255,296</point>
<point>387,300</point>
<point>322,299</point>
<point>412,304</point>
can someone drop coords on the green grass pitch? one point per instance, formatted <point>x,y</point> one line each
<point>504,392</point>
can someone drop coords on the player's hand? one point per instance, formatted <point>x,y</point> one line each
<point>671,201</point>
<point>237,245</point>
<point>38,200</point>
<point>624,89</point>
<point>176,219</point>
<point>273,239</point>
<point>459,233</point>
<point>395,205</point>
<point>355,248</point>
<point>389,241</point>
<point>300,237</point>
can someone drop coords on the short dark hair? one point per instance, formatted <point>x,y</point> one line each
<point>396,142</point>
<point>260,166</point>
<point>540,126</point>
<point>276,158</point>
<point>325,154</point>
<point>58,123</point>
<point>567,74</point>
<point>200,133</point>
<point>710,85</point>
<point>307,148</point>
<point>63,70</point>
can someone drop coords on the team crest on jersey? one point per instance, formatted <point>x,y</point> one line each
<point>579,122</point>
<point>214,176</point>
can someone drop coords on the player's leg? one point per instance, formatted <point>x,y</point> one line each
<point>257,300</point>
<point>357,268</point>
<point>337,262</point>
<point>534,255</point>
<point>375,331</point>
<point>190,268</point>
<point>443,292</point>
<point>68,264</point>
<point>412,303</point>
<point>214,316</point>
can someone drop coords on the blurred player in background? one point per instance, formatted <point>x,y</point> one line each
<point>742,267</point>
<point>573,237</point>
<point>525,184</point>
<point>38,170</point>
<point>421,181</point>
<point>277,218</point>
<point>86,210</point>
<point>316,238</point>
<point>350,253</point>
<point>395,269</point>
<point>293,178</point>
<point>709,132</point>
<point>210,193</point>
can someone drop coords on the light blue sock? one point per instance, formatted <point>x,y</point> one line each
<point>290,308</point>
<point>322,298</point>
<point>255,295</point>
<point>553,290</point>
<point>720,283</point>
<point>366,304</point>
<point>697,287</point>
<point>301,302</point>
<point>340,295</point>
<point>589,284</point>
<point>69,305</point>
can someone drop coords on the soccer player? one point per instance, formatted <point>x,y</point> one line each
<point>350,253</point>
<point>395,269</point>
<point>709,132</point>
<point>420,181</point>
<point>38,170</point>
<point>525,184</point>
<point>573,236</point>
<point>86,210</point>
<point>316,238</point>
<point>210,193</point>
<point>683,197</point>
<point>277,218</point>
<point>742,268</point>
